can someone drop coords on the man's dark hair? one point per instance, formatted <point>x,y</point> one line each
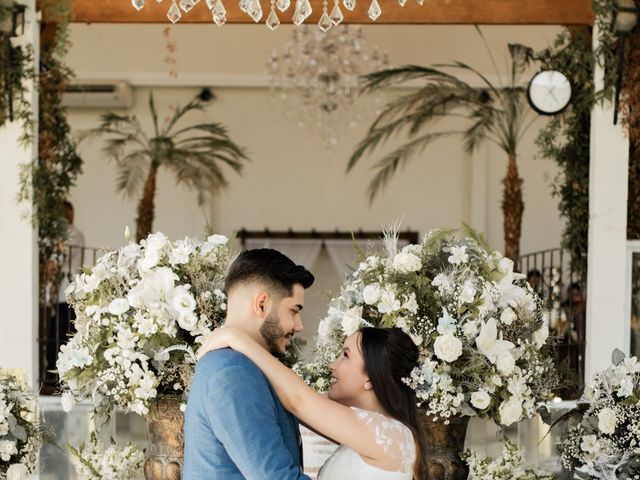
<point>269,267</point>
<point>67,204</point>
<point>534,273</point>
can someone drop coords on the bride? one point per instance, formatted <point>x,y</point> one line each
<point>369,411</point>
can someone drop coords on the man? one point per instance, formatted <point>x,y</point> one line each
<point>235,427</point>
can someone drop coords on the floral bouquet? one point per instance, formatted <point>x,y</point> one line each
<point>603,440</point>
<point>509,466</point>
<point>140,312</point>
<point>94,462</point>
<point>480,328</point>
<point>20,433</point>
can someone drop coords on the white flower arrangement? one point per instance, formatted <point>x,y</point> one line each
<point>140,312</point>
<point>509,466</point>
<point>20,432</point>
<point>480,328</point>
<point>603,440</point>
<point>92,461</point>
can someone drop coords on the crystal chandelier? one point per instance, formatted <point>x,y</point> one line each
<point>316,79</point>
<point>253,8</point>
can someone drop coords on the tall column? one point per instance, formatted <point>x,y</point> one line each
<point>608,184</point>
<point>18,241</point>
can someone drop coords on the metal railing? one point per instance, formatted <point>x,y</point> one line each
<point>55,315</point>
<point>564,296</point>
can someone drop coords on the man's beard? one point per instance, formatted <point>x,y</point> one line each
<point>272,333</point>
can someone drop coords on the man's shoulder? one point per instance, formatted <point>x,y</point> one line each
<point>226,361</point>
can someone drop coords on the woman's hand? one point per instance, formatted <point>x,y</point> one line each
<point>221,337</point>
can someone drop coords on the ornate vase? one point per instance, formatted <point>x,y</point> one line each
<point>444,445</point>
<point>166,440</point>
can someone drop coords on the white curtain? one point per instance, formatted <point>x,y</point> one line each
<point>343,253</point>
<point>303,252</point>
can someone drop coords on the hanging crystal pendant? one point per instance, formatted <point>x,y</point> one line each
<point>420,2</point>
<point>255,11</point>
<point>137,4</point>
<point>174,13</point>
<point>303,10</point>
<point>374,10</point>
<point>211,4</point>
<point>349,4</point>
<point>273,21</point>
<point>159,1</point>
<point>325,22</point>
<point>245,6</point>
<point>402,2</point>
<point>187,5</point>
<point>336,14</point>
<point>219,13</point>
<point>283,5</point>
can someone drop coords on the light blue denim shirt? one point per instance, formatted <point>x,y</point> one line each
<point>235,426</point>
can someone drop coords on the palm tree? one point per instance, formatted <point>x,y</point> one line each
<point>195,154</point>
<point>498,114</point>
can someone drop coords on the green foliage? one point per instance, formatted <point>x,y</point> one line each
<point>19,59</point>
<point>566,138</point>
<point>497,113</point>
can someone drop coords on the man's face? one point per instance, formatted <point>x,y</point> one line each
<point>283,322</point>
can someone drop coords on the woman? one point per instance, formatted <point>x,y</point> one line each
<point>369,411</point>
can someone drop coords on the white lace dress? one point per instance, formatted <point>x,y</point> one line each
<point>397,441</point>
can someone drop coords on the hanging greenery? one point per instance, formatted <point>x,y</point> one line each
<point>46,181</point>
<point>16,65</point>
<point>566,137</point>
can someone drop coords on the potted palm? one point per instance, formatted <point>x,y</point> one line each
<point>196,154</point>
<point>499,114</point>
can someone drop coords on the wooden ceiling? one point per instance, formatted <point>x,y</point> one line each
<point>487,12</point>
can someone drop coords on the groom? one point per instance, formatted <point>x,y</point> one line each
<point>235,427</point>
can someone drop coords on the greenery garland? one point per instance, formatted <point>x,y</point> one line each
<point>46,181</point>
<point>565,139</point>
<point>19,58</point>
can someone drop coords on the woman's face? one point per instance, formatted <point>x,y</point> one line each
<point>348,376</point>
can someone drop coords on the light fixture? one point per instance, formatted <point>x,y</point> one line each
<point>623,23</point>
<point>11,26</point>
<point>316,79</point>
<point>253,8</point>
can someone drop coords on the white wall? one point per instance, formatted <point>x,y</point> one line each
<point>292,182</point>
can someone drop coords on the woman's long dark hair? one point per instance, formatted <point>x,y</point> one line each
<point>389,356</point>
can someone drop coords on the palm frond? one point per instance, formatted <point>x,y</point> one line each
<point>179,112</point>
<point>395,76</point>
<point>392,162</point>
<point>154,114</point>
<point>132,172</point>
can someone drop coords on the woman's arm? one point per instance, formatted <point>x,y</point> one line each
<point>329,418</point>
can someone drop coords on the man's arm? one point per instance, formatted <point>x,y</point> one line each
<point>242,413</point>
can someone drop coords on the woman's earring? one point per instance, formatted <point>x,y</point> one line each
<point>367,386</point>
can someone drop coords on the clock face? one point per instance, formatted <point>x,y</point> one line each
<point>549,92</point>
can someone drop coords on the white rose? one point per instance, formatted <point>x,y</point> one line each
<point>351,320</point>
<point>508,316</point>
<point>118,306</point>
<point>406,262</point>
<point>607,421</point>
<point>187,321</point>
<point>7,449</point>
<point>505,265</point>
<point>150,260</point>
<point>371,294</point>
<point>447,347</point>
<point>510,411</point>
<point>590,444</point>
<point>470,330</point>
<point>4,427</point>
<point>180,254</point>
<point>480,399</point>
<point>17,471</point>
<point>217,239</point>
<point>156,241</point>
<point>506,364</point>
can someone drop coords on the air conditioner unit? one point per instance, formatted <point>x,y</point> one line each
<point>98,94</point>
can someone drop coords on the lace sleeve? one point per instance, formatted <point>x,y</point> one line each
<point>393,436</point>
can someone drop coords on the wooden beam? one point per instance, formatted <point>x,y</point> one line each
<point>470,12</point>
